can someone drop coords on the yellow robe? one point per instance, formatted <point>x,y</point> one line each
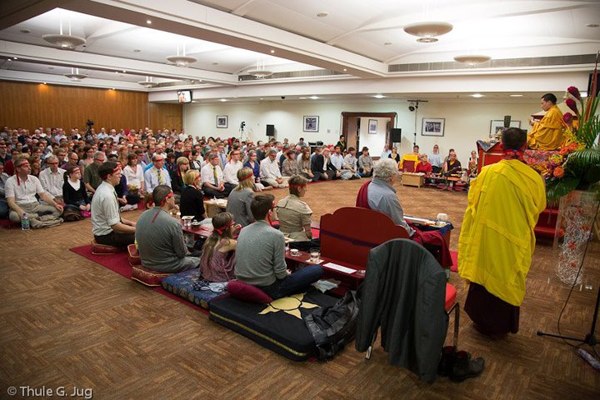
<point>409,157</point>
<point>496,240</point>
<point>547,134</point>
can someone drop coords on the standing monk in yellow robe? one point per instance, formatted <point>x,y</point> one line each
<point>497,241</point>
<point>547,134</point>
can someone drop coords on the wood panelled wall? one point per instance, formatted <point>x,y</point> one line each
<point>30,105</point>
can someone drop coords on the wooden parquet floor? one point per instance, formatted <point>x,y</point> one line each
<point>67,322</point>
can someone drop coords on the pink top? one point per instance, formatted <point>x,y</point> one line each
<point>221,266</point>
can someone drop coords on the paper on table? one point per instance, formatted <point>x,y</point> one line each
<point>340,268</point>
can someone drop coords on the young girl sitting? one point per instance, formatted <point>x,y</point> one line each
<point>218,253</point>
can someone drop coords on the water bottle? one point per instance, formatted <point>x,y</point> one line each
<point>25,222</point>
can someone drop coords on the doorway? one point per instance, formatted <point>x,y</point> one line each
<point>351,127</point>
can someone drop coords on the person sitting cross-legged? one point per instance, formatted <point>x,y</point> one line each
<point>260,256</point>
<point>218,253</point>
<point>160,238</point>
<point>107,225</point>
<point>213,183</point>
<point>21,189</point>
<point>269,171</point>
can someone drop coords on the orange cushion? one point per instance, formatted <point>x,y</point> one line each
<point>103,249</point>
<point>147,277</point>
<point>450,296</point>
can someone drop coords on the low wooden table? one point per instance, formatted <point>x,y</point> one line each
<point>413,179</point>
<point>213,206</point>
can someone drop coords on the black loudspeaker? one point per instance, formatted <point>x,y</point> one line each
<point>396,135</point>
<point>507,121</point>
<point>270,130</point>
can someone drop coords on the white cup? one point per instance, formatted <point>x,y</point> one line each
<point>442,217</point>
<point>294,252</point>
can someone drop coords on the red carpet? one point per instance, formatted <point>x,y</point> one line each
<point>118,263</point>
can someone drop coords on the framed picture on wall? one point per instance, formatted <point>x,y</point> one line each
<point>310,123</point>
<point>222,121</point>
<point>433,127</point>
<point>372,126</point>
<point>498,124</point>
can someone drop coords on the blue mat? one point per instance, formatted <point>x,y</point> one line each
<point>186,285</point>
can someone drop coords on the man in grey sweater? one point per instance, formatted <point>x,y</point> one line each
<point>160,238</point>
<point>260,256</point>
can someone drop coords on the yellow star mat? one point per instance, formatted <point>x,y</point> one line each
<point>290,305</point>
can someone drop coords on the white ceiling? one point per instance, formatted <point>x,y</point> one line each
<point>356,43</point>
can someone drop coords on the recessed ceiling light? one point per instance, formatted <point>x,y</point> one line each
<point>379,96</point>
<point>137,51</point>
<point>10,59</point>
<point>124,71</point>
<point>477,95</point>
<point>15,58</point>
<point>322,14</point>
<point>314,97</point>
<point>387,44</point>
<point>223,100</point>
<point>345,69</point>
<point>25,31</point>
<point>592,25</point>
<point>149,21</point>
<point>516,95</point>
<point>272,51</point>
<point>44,83</point>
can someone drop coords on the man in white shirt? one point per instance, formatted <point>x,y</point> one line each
<point>435,159</point>
<point>21,189</point>
<point>156,175</point>
<point>337,159</point>
<point>269,170</point>
<point>52,178</point>
<point>232,168</point>
<point>213,183</point>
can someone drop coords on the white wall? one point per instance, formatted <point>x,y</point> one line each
<point>465,122</point>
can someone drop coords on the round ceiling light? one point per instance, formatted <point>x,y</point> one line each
<point>67,42</point>
<point>472,59</point>
<point>427,31</point>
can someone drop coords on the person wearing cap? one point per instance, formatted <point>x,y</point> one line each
<point>107,225</point>
<point>157,174</point>
<point>213,183</point>
<point>294,214</point>
<point>269,170</point>
<point>21,190</point>
<point>159,236</point>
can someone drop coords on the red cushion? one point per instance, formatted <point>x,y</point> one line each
<point>146,276</point>
<point>103,249</point>
<point>246,292</point>
<point>133,256</point>
<point>450,296</point>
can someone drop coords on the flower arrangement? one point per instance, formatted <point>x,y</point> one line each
<point>577,164</point>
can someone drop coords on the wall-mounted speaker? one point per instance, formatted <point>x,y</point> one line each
<point>507,121</point>
<point>270,130</point>
<point>396,135</point>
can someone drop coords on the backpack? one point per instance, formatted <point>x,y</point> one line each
<point>334,326</point>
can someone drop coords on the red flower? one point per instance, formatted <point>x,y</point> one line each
<point>559,172</point>
<point>573,91</point>
<point>568,118</point>
<point>572,105</point>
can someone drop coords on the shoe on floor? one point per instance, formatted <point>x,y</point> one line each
<point>447,361</point>
<point>465,367</point>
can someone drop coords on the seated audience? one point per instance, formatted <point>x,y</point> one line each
<point>91,177</point>
<point>260,256</point>
<point>107,225</point>
<point>52,178</point>
<point>350,165</point>
<point>183,164</point>
<point>452,165</point>
<point>394,155</point>
<point>240,198</point>
<point>424,166</point>
<point>74,194</point>
<point>3,204</point>
<point>217,262</point>
<point>304,163</point>
<point>196,160</point>
<point>213,184</point>
<point>156,174</point>
<point>473,164</point>
<point>134,175</point>
<point>435,158</point>
<point>269,171</point>
<point>21,190</point>
<point>159,236</point>
<point>232,168</point>
<point>386,151</point>
<point>290,165</point>
<point>192,198</point>
<point>365,163</point>
<point>337,159</point>
<point>293,213</point>
<point>321,166</point>
<point>547,134</point>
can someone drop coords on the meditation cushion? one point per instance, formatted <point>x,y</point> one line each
<point>133,256</point>
<point>103,249</point>
<point>147,277</point>
<point>186,285</point>
<point>278,326</point>
<point>450,296</point>
<point>246,292</point>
